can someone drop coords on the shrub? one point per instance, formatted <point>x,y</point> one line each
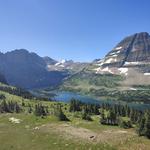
<point>125,123</point>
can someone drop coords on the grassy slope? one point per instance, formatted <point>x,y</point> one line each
<point>53,134</point>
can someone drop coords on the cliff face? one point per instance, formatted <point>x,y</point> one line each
<point>131,52</point>
<point>126,67</point>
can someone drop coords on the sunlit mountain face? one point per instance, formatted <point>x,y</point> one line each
<point>131,58</point>
<point>125,68</point>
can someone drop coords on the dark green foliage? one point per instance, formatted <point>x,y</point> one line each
<point>109,119</point>
<point>2,97</point>
<point>40,110</point>
<point>138,95</point>
<point>125,117</point>
<point>110,114</point>
<point>30,108</point>
<point>17,91</point>
<point>23,103</point>
<point>144,125</point>
<point>125,123</point>
<point>147,124</point>
<point>22,93</point>
<point>86,116</point>
<point>141,126</point>
<point>106,80</point>
<point>76,105</point>
<point>60,114</point>
<point>10,107</point>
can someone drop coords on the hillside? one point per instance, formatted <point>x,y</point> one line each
<point>123,71</point>
<point>28,70</point>
<point>3,79</point>
<point>24,129</point>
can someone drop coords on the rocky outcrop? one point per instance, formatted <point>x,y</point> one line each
<point>132,52</point>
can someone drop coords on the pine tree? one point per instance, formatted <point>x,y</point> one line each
<point>60,114</point>
<point>29,109</point>
<point>147,124</point>
<point>17,108</point>
<point>141,126</point>
<point>86,116</point>
<point>113,117</point>
<point>4,106</point>
<point>103,119</point>
<point>40,110</point>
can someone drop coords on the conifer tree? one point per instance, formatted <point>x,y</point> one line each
<point>147,124</point>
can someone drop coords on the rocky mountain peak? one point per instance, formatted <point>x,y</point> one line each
<point>132,51</point>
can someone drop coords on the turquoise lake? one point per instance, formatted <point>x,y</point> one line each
<point>67,96</point>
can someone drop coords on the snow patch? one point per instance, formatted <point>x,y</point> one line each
<point>147,74</point>
<point>110,60</point>
<point>118,48</point>
<point>63,61</point>
<point>62,65</point>
<point>100,70</point>
<point>97,70</point>
<point>100,62</point>
<point>123,71</point>
<point>114,55</point>
<point>107,70</point>
<point>57,64</point>
<point>132,63</point>
<point>118,52</point>
<point>133,89</point>
<point>14,120</point>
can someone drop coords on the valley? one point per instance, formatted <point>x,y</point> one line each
<point>49,104</point>
<point>74,75</point>
<point>36,133</point>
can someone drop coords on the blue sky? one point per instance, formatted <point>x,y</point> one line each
<point>82,30</point>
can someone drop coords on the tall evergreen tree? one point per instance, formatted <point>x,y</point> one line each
<point>147,124</point>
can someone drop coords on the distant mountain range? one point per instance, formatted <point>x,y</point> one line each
<point>28,70</point>
<point>129,59</point>
<point>125,67</point>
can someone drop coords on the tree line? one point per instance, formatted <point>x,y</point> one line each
<point>110,114</point>
<point>21,92</point>
<point>10,107</point>
<point>115,114</point>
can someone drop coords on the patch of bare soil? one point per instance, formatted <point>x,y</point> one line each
<point>71,132</point>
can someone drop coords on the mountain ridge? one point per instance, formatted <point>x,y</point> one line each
<point>123,68</point>
<point>29,70</point>
<point>131,51</point>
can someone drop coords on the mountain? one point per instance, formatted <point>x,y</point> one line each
<point>67,65</point>
<point>131,52</point>
<point>125,68</point>
<point>49,61</point>
<point>28,70</point>
<point>2,79</point>
<point>131,57</point>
